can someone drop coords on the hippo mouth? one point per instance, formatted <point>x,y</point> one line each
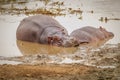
<point>55,41</point>
<point>64,42</point>
<point>70,42</point>
<point>111,35</point>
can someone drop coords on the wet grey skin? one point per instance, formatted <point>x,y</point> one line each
<point>90,34</point>
<point>44,30</point>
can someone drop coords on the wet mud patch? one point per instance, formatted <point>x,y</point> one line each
<point>57,72</point>
<point>106,55</point>
<point>102,63</point>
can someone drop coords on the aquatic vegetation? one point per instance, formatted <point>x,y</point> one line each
<point>53,8</point>
<point>78,11</point>
<point>13,1</point>
<point>106,19</point>
<point>58,4</point>
<point>42,11</point>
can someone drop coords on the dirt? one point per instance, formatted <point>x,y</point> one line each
<point>57,72</point>
<point>104,64</point>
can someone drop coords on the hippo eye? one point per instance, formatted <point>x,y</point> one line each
<point>62,30</point>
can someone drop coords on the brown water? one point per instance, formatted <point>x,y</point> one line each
<point>73,15</point>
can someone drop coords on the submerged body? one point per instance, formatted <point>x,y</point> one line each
<point>45,30</point>
<point>90,34</point>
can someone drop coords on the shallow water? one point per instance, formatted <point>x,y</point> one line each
<point>94,13</point>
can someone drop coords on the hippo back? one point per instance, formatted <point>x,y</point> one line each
<point>44,21</point>
<point>31,28</point>
<point>96,32</point>
<point>83,36</point>
<point>90,34</point>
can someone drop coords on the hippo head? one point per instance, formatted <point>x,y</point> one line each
<point>70,42</point>
<point>106,33</point>
<point>61,39</point>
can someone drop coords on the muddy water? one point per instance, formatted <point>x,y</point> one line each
<point>71,14</point>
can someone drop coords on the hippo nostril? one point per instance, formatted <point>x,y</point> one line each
<point>111,34</point>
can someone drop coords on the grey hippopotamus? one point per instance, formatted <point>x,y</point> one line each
<point>90,34</point>
<point>45,30</point>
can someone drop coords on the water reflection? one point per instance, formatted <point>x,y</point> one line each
<point>105,19</point>
<point>28,48</point>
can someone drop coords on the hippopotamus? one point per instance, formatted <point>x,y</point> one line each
<point>90,34</point>
<point>44,30</point>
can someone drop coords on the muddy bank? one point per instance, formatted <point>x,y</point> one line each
<point>103,64</point>
<point>45,72</point>
<point>57,72</point>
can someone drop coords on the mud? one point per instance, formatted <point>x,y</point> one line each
<point>57,72</point>
<point>102,64</point>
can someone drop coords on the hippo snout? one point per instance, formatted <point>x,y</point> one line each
<point>111,35</point>
<point>70,42</point>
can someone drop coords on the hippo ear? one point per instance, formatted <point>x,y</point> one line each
<point>101,28</point>
<point>62,30</point>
